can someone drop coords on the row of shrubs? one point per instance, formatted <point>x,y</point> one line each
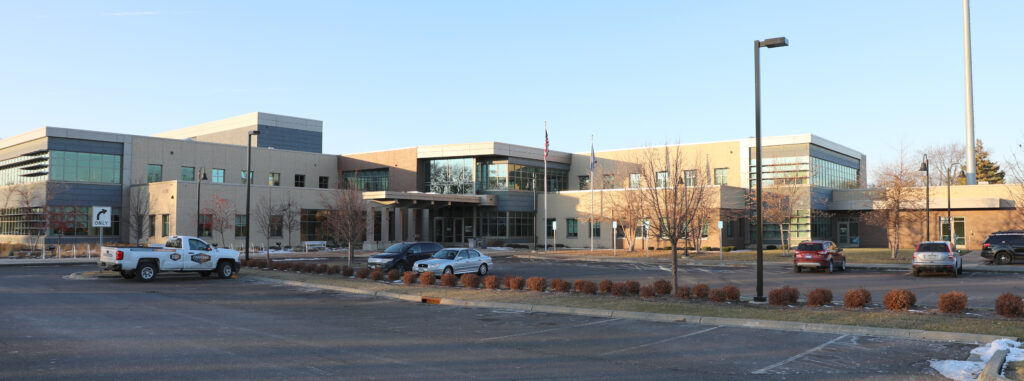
<point>1007,305</point>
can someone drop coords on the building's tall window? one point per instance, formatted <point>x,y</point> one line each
<point>244,177</point>
<point>274,179</point>
<point>520,224</point>
<point>154,173</point>
<point>958,229</point>
<point>188,173</point>
<point>64,166</point>
<point>584,182</point>
<point>324,182</point>
<point>595,229</point>
<point>491,175</point>
<point>205,225</point>
<point>609,182</point>
<point>311,225</point>
<point>721,176</point>
<point>635,180</point>
<point>276,225</point>
<point>300,181</point>
<point>690,178</point>
<point>152,225</point>
<point>450,176</point>
<point>661,179</point>
<point>366,180</point>
<point>61,220</point>
<point>550,227</point>
<point>165,225</point>
<point>241,228</point>
<point>217,175</point>
<point>572,228</point>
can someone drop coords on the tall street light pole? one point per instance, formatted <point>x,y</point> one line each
<point>199,199</point>
<point>768,43</point>
<point>927,200</point>
<point>949,203</point>
<point>248,188</point>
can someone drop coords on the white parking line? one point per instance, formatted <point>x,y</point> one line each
<point>659,341</point>
<point>786,361</point>
<point>548,330</point>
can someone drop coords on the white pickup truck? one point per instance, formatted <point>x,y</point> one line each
<point>180,253</point>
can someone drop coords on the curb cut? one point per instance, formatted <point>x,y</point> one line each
<point>964,338</point>
<point>994,367</point>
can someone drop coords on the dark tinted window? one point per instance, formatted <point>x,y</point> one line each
<point>173,242</point>
<point>934,247</point>
<point>397,248</point>
<point>809,247</point>
<point>195,244</point>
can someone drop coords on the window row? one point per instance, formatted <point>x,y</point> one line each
<point>155,173</point>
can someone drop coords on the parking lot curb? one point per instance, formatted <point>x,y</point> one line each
<point>965,338</point>
<point>994,367</point>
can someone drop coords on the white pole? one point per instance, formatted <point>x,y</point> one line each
<point>592,181</point>
<point>972,175</point>
<point>545,185</point>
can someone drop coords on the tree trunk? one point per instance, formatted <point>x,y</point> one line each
<point>350,254</point>
<point>675,268</point>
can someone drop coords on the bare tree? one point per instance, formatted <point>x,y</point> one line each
<point>1016,183</point>
<point>778,204</point>
<point>345,216</point>
<point>291,218</point>
<point>267,218</point>
<point>943,160</point>
<point>626,206</point>
<point>222,216</point>
<point>673,189</point>
<point>30,205</point>
<point>138,213</point>
<point>897,195</point>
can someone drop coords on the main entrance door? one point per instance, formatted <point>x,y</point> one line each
<point>449,229</point>
<point>849,233</point>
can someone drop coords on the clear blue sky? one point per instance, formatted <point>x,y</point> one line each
<point>388,74</point>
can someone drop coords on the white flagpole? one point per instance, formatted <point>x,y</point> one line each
<point>592,181</point>
<point>545,185</point>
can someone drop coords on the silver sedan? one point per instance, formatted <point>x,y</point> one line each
<point>455,261</point>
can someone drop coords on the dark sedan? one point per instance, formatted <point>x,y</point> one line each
<point>401,256</point>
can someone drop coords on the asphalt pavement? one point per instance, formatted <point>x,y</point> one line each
<point>187,327</point>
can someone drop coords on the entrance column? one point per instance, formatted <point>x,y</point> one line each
<point>399,221</point>
<point>385,225</point>
<point>370,221</point>
<point>411,218</point>
<point>426,226</point>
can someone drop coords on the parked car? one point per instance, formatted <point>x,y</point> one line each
<point>455,261</point>
<point>179,254</point>
<point>824,255</point>
<point>401,256</point>
<point>1002,248</point>
<point>937,256</point>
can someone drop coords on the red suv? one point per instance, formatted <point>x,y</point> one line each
<point>819,255</point>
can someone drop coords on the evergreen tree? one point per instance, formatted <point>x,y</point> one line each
<point>987,169</point>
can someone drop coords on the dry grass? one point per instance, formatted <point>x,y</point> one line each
<point>868,317</point>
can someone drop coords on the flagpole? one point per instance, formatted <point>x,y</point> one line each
<point>592,181</point>
<point>545,185</point>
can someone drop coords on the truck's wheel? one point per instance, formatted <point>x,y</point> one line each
<point>1003,259</point>
<point>224,270</point>
<point>127,274</point>
<point>204,274</point>
<point>796,269</point>
<point>146,271</point>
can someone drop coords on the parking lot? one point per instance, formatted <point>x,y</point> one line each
<point>184,326</point>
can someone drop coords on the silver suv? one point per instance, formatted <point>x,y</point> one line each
<point>939,256</point>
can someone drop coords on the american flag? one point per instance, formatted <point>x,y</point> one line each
<point>545,142</point>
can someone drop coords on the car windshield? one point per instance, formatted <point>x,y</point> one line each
<point>934,247</point>
<point>446,254</point>
<point>809,247</point>
<point>396,248</point>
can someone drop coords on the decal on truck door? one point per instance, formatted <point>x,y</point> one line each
<point>200,258</point>
<point>175,256</point>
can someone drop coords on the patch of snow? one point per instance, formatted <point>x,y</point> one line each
<point>299,259</point>
<point>499,248</point>
<point>958,370</point>
<point>969,370</point>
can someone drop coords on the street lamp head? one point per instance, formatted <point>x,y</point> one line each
<point>776,42</point>
<point>256,132</point>
<point>204,177</point>
<point>924,165</point>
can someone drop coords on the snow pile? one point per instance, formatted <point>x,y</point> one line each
<point>969,370</point>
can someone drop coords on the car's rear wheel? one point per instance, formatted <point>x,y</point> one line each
<point>842,267</point>
<point>955,272</point>
<point>146,272</point>
<point>482,270</point>
<point>917,272</point>
<point>1003,259</point>
<point>400,266</point>
<point>797,269</point>
<point>830,268</point>
<point>960,270</point>
<point>127,274</point>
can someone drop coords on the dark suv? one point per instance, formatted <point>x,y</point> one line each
<point>401,256</point>
<point>1004,247</point>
